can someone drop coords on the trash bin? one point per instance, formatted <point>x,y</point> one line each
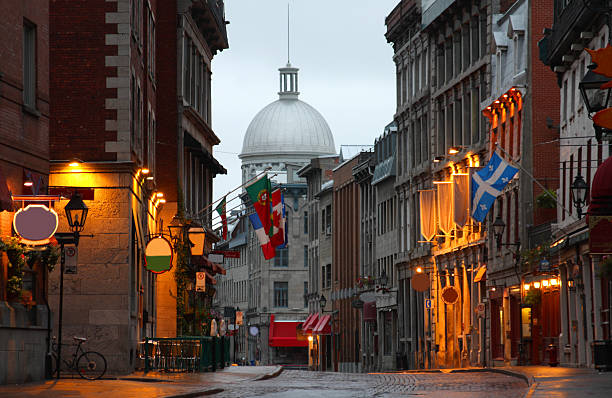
<point>553,355</point>
<point>252,362</point>
<point>602,354</point>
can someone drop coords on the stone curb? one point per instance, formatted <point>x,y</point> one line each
<point>201,393</point>
<point>267,376</point>
<point>530,380</point>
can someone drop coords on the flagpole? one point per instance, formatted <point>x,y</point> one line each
<point>546,190</point>
<point>233,190</point>
<point>229,200</point>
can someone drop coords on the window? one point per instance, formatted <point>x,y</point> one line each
<point>151,45</point>
<point>281,258</point>
<point>29,64</point>
<point>305,256</point>
<point>328,275</point>
<point>305,222</point>
<point>281,294</point>
<point>305,294</point>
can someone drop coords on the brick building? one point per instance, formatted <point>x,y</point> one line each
<point>103,105</point>
<point>193,32</point>
<point>24,158</point>
<point>346,254</point>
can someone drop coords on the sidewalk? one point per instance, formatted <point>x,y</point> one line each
<point>176,385</point>
<point>546,381</point>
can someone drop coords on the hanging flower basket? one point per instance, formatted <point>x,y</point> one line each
<point>533,297</point>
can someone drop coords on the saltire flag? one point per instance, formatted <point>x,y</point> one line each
<point>264,240</point>
<point>221,209</point>
<point>488,183</point>
<point>278,231</point>
<point>259,193</point>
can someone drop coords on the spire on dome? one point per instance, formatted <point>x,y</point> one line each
<point>288,82</point>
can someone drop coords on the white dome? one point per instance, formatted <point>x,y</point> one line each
<point>288,126</point>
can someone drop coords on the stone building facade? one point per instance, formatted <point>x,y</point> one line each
<point>442,58</point>
<point>193,32</point>
<point>24,157</point>
<point>103,114</point>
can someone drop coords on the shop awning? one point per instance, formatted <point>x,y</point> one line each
<point>203,261</point>
<point>311,323</point>
<point>284,334</point>
<point>323,326</point>
<point>480,274</point>
<point>369,311</point>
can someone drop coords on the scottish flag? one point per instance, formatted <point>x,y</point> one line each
<point>488,183</point>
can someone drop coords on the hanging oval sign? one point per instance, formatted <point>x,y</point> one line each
<point>35,224</point>
<point>450,294</point>
<point>158,255</point>
<point>420,282</point>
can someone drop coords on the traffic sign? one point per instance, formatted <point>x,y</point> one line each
<point>428,304</point>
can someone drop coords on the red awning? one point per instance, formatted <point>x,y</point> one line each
<point>310,323</point>
<point>324,326</point>
<point>284,334</point>
<point>369,311</point>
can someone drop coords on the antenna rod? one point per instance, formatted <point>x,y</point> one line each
<point>288,62</point>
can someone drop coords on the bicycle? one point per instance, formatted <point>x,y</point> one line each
<point>90,365</point>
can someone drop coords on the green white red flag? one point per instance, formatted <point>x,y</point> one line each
<point>221,209</point>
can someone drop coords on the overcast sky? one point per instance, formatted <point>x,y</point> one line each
<point>346,70</point>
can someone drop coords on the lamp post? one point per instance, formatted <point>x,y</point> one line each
<point>579,191</point>
<point>76,214</point>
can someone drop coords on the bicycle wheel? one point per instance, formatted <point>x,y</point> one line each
<point>91,365</point>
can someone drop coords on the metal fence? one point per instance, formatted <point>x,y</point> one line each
<point>184,354</point>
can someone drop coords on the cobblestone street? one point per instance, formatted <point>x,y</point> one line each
<point>295,383</point>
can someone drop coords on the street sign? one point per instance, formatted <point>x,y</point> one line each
<point>544,265</point>
<point>200,281</point>
<point>227,253</point>
<point>71,260</point>
<point>428,304</point>
<point>253,331</point>
<point>450,294</point>
<point>480,309</point>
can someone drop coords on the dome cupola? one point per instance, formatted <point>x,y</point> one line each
<point>287,126</point>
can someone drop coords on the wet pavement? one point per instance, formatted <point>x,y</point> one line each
<point>274,382</point>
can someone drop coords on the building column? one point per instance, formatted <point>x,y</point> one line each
<point>597,299</point>
<point>587,276</point>
<point>564,338</point>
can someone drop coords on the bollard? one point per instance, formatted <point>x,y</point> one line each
<point>552,355</point>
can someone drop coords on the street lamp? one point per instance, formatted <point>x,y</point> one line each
<point>579,190</point>
<point>498,230</point>
<point>322,302</point>
<point>383,278</point>
<point>76,214</point>
<point>595,99</point>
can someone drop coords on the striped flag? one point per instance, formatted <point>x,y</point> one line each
<point>264,239</point>
<point>278,227</point>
